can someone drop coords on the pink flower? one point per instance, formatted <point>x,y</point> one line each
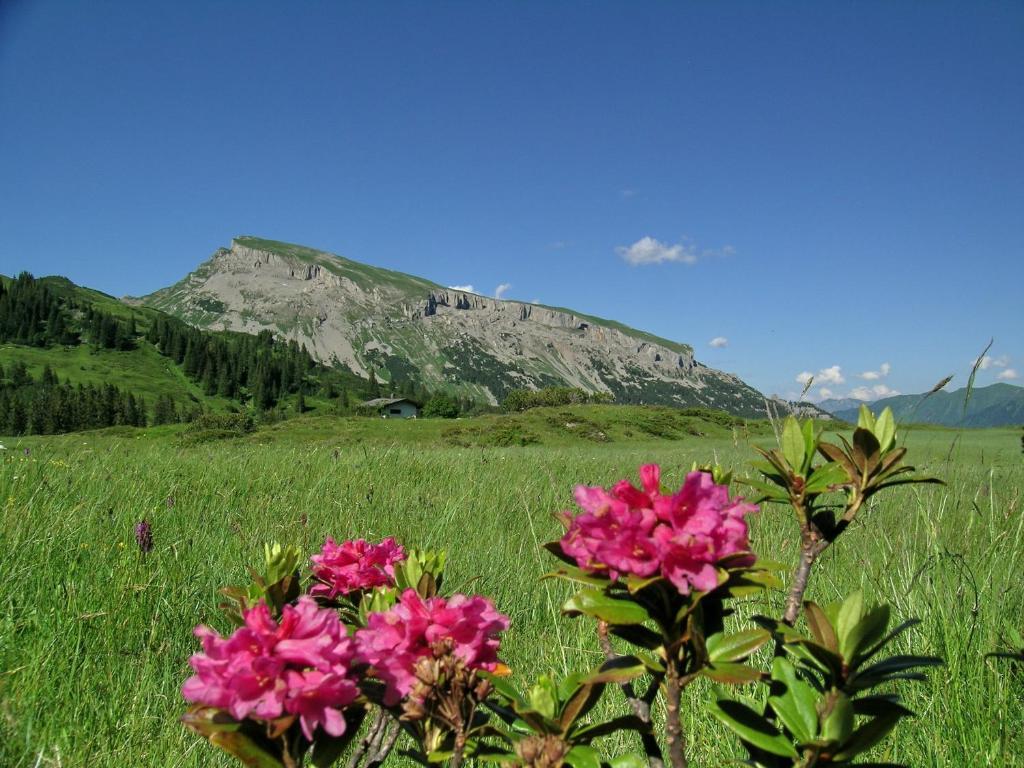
<point>354,565</point>
<point>393,641</point>
<point>266,669</point>
<point>641,532</point>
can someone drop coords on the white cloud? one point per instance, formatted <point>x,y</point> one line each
<point>877,392</point>
<point>831,375</point>
<point>466,288</point>
<point>535,301</point>
<point>987,361</point>
<point>501,290</point>
<point>718,342</point>
<point>1007,374</point>
<point>647,250</point>
<point>627,193</point>
<point>881,373</point>
<point>825,393</point>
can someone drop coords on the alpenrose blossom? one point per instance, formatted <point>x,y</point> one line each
<point>354,565</point>
<point>265,669</point>
<point>394,640</point>
<point>642,532</point>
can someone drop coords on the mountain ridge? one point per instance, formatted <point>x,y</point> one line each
<point>995,405</point>
<point>403,326</point>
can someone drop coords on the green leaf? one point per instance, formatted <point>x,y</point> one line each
<point>583,756</point>
<point>797,706</point>
<point>885,430</point>
<point>629,760</point>
<point>866,633</point>
<point>866,419</point>
<point>578,575</point>
<point>621,669</point>
<point>826,476</point>
<point>821,628</point>
<point>837,723</point>
<point>226,733</point>
<point>579,705</point>
<point>623,723</point>
<point>850,614</point>
<point>793,444</point>
<point>737,646</point>
<point>732,673</point>
<point>543,698</point>
<point>867,736</point>
<point>752,727</point>
<point>809,442</point>
<point>598,605</point>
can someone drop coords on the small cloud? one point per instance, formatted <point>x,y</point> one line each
<point>501,290</point>
<point>465,288</point>
<point>625,194</point>
<point>1007,374</point>
<point>877,392</point>
<point>558,245</point>
<point>647,250</point>
<point>535,301</point>
<point>825,393</point>
<point>881,373</point>
<point>831,375</point>
<point>718,342</point>
<point>987,361</point>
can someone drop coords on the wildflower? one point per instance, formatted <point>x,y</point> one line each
<point>394,641</point>
<point>354,565</point>
<point>144,536</point>
<point>301,666</point>
<point>642,532</point>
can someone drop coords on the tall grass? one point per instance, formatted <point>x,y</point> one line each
<point>95,637</point>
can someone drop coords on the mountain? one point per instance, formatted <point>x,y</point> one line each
<point>996,405</point>
<point>402,327</point>
<point>835,404</point>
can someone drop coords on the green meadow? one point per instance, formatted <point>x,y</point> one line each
<point>95,637</point>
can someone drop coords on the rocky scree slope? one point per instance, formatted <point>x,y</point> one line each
<point>404,327</point>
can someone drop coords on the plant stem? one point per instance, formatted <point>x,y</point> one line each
<point>640,707</point>
<point>674,736</point>
<point>372,733</point>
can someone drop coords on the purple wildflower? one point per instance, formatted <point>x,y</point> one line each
<point>144,536</point>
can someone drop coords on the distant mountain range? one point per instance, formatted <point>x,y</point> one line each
<point>993,406</point>
<point>835,404</point>
<point>401,327</point>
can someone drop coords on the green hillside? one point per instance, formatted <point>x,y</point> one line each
<point>73,358</point>
<point>996,405</point>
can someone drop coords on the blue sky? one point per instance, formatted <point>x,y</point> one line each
<point>835,189</point>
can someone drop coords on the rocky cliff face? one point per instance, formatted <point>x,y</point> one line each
<point>403,326</point>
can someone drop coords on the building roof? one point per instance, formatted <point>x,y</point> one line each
<point>381,402</point>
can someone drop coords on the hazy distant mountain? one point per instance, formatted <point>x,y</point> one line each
<point>835,404</point>
<point>993,406</point>
<point>406,327</point>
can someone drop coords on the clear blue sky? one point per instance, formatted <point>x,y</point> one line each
<point>848,178</point>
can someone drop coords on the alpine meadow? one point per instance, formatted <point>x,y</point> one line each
<point>511,384</point>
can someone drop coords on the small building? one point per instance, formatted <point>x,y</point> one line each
<point>393,407</point>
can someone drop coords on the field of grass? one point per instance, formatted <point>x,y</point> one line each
<point>94,637</point>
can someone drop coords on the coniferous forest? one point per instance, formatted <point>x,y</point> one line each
<point>254,371</point>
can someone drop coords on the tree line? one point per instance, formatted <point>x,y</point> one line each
<point>47,406</point>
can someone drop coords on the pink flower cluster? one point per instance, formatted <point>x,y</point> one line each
<point>644,532</point>
<point>393,641</point>
<point>265,669</point>
<point>354,565</point>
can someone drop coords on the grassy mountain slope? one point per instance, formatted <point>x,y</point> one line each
<point>404,327</point>
<point>993,406</point>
